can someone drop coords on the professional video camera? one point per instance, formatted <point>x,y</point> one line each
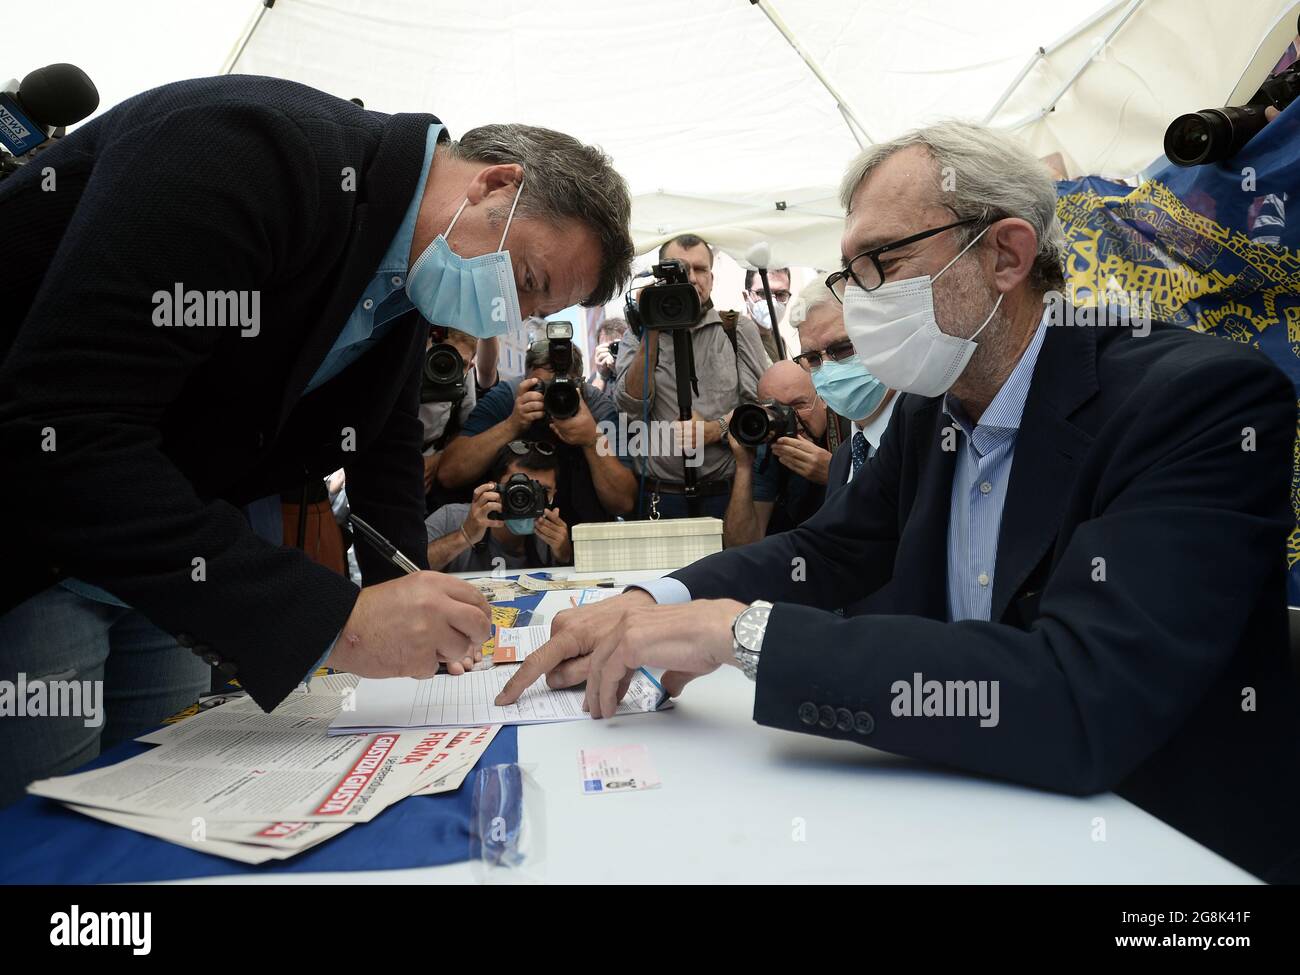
<point>521,497</point>
<point>442,377</point>
<point>1216,134</point>
<point>561,396</point>
<point>755,424</point>
<point>35,109</point>
<point>671,303</point>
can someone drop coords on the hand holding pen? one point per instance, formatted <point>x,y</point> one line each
<point>407,627</point>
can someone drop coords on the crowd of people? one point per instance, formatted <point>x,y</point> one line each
<point>496,427</point>
<point>968,491</point>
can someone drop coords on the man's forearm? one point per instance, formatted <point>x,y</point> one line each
<point>485,363</point>
<point>632,378</point>
<point>615,484</point>
<point>740,522</point>
<point>467,458</point>
<point>443,550</point>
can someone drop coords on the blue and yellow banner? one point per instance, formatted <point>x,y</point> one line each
<point>1210,248</point>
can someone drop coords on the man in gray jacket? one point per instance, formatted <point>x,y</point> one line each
<point>729,359</point>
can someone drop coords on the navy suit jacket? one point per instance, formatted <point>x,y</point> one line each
<point>837,474</point>
<point>1138,629</point>
<point>232,183</point>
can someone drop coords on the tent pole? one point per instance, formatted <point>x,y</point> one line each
<point>1042,52</point>
<point>248,36</point>
<point>1078,71</point>
<point>856,128</point>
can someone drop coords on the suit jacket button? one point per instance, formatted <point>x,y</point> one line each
<point>808,712</point>
<point>843,719</point>
<point>864,723</point>
<point>827,719</point>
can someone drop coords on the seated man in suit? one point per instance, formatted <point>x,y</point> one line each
<point>135,422</point>
<point>1083,528</point>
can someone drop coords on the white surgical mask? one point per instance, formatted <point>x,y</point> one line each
<point>759,312</point>
<point>897,339</point>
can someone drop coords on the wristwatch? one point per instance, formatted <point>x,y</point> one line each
<point>722,429</point>
<point>747,631</point>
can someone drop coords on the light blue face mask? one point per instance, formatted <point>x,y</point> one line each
<point>848,388</point>
<point>520,526</point>
<point>474,294</point>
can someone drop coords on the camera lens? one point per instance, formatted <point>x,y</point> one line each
<point>750,424</point>
<point>1212,135</point>
<point>443,365</point>
<point>518,500</point>
<point>443,378</point>
<point>561,399</point>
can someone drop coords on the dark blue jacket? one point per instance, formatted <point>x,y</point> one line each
<point>232,183</point>
<point>1138,597</point>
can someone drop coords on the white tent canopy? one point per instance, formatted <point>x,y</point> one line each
<point>722,114</point>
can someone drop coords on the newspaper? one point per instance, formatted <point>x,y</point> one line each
<point>236,782</point>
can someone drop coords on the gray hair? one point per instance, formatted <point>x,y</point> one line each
<point>564,179</point>
<point>814,294</point>
<point>984,174</point>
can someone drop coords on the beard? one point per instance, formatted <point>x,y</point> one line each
<point>960,309</point>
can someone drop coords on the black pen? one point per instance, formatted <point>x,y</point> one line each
<point>383,546</point>
<point>390,551</point>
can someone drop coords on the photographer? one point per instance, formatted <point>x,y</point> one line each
<point>448,395</point>
<point>481,537</point>
<point>755,296</point>
<point>729,358</point>
<point>781,482</point>
<point>608,337</point>
<point>595,485</point>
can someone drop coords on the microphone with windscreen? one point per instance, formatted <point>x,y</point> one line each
<point>48,98</point>
<point>759,257</point>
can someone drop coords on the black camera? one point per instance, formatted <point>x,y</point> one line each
<point>754,424</point>
<point>561,396</point>
<point>1216,134</point>
<point>668,304</point>
<point>521,497</point>
<point>442,376</point>
<point>613,350</point>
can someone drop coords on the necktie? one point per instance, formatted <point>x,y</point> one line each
<point>859,448</point>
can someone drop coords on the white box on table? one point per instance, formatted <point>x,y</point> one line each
<point>666,543</point>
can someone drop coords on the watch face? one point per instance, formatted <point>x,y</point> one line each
<point>750,625</point>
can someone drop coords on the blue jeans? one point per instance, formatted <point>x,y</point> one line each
<point>144,675</point>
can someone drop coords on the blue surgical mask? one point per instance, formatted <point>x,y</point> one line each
<point>848,388</point>
<point>474,294</point>
<point>520,526</point>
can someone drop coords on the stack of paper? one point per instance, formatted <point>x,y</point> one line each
<point>253,787</point>
<point>400,703</point>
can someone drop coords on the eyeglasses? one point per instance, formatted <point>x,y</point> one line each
<point>865,270</point>
<point>781,296</point>
<point>836,352</point>
<point>522,447</point>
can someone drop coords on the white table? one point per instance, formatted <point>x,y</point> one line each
<point>735,795</point>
